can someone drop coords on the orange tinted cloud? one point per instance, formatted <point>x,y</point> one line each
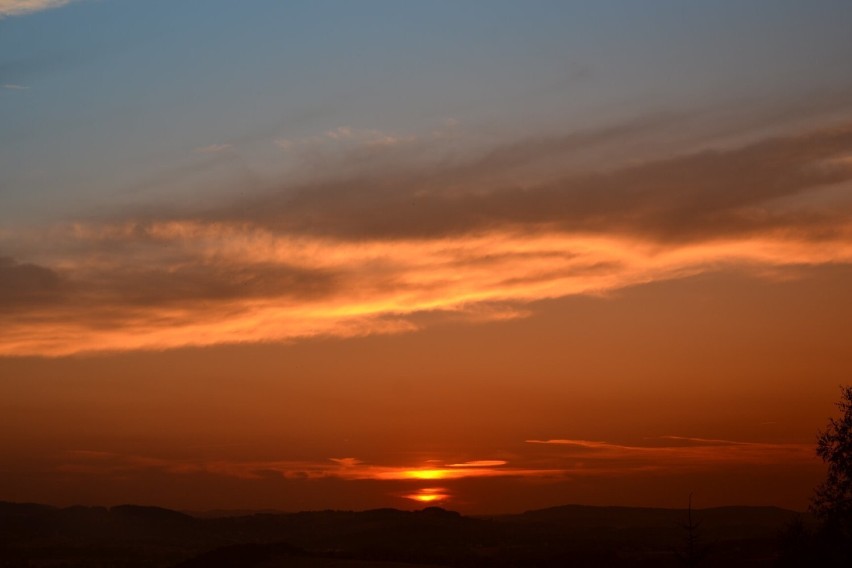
<point>252,286</point>
<point>678,452</point>
<point>480,463</point>
<point>571,458</point>
<point>109,463</point>
<point>20,7</point>
<point>356,258</point>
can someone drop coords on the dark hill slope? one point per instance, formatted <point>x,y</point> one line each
<point>131,536</point>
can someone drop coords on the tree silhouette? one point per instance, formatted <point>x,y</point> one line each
<point>694,549</point>
<point>832,502</point>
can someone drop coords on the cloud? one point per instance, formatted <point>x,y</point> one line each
<point>699,195</point>
<point>390,251</point>
<point>366,136</point>
<point>567,459</point>
<point>340,133</point>
<point>13,87</point>
<point>201,284</point>
<point>678,452</point>
<point>347,462</point>
<point>352,469</point>
<point>21,7</point>
<point>24,285</point>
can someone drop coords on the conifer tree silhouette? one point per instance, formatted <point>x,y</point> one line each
<point>694,550</point>
<point>832,501</point>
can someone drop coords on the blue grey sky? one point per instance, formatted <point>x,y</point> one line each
<point>115,102</point>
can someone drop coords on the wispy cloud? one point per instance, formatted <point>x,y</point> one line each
<point>679,452</point>
<point>480,463</point>
<point>567,459</point>
<point>20,7</point>
<point>14,87</point>
<point>110,463</point>
<point>367,136</point>
<point>373,253</point>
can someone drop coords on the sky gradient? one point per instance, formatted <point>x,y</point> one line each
<point>492,255</point>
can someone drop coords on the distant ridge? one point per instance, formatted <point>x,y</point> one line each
<point>223,513</point>
<point>133,535</point>
<point>717,522</point>
<point>650,514</point>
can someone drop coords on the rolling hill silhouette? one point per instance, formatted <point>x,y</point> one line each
<point>34,535</point>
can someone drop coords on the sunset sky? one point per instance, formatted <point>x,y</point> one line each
<point>489,255</point>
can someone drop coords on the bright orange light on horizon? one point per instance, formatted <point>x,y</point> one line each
<point>476,468</point>
<point>429,495</point>
<point>428,473</point>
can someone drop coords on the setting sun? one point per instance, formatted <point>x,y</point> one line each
<point>429,495</point>
<point>428,473</point>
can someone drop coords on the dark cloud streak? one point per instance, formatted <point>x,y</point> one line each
<point>26,285</point>
<point>713,193</point>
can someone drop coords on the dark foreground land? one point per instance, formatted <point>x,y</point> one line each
<point>131,536</point>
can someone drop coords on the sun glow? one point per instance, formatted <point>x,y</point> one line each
<point>428,473</point>
<point>429,495</point>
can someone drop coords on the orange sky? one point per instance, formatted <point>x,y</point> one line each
<point>563,278</point>
<point>711,384</point>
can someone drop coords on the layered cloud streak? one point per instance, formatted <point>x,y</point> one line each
<point>370,253</point>
<point>567,459</point>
